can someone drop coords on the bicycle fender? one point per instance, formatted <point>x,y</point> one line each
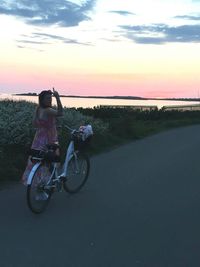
<point>30,177</point>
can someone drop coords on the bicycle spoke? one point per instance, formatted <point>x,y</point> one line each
<point>37,193</point>
<point>77,174</point>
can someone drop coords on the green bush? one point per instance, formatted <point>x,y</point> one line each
<point>17,132</point>
<point>112,126</point>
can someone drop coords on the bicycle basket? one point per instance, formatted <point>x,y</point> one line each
<point>82,137</point>
<point>80,144</point>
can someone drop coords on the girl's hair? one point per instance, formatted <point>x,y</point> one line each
<point>42,96</point>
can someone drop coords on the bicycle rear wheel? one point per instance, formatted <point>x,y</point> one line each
<point>77,173</point>
<point>38,193</point>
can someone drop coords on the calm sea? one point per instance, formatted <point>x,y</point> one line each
<point>94,102</point>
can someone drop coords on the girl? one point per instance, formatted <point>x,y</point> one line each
<point>45,122</point>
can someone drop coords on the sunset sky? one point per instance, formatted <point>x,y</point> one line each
<point>147,48</point>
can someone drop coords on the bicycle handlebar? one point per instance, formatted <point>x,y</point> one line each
<point>73,131</point>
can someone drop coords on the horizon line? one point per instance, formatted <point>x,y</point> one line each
<point>113,96</point>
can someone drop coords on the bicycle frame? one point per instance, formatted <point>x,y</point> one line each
<point>48,176</point>
<point>69,154</point>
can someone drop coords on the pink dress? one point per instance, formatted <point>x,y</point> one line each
<point>46,133</point>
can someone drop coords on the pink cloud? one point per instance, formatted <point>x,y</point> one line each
<point>26,80</point>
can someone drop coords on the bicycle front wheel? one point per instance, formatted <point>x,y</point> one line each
<point>39,191</point>
<point>77,173</point>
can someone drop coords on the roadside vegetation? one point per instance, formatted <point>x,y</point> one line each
<point>112,127</point>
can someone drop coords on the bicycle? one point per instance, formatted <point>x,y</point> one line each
<point>47,176</point>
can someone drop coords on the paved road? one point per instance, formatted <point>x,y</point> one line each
<point>141,207</point>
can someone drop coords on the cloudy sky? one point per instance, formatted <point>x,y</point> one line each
<point>145,48</point>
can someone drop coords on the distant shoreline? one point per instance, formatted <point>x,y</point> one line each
<point>117,97</point>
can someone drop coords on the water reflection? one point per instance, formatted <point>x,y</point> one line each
<point>93,102</point>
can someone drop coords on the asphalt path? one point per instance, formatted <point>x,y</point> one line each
<point>140,207</point>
